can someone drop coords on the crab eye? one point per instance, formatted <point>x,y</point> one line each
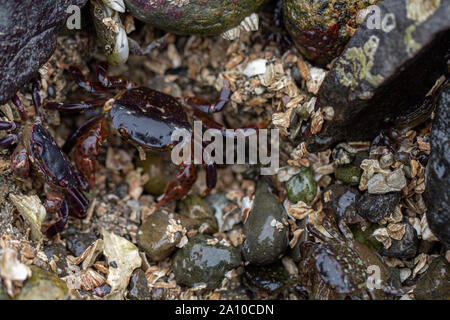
<point>123,132</point>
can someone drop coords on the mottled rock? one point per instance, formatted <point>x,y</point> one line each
<point>405,248</point>
<point>268,278</point>
<point>28,31</point>
<point>194,16</point>
<point>375,207</point>
<point>343,201</point>
<point>320,28</point>
<point>155,236</point>
<point>265,229</point>
<point>437,192</point>
<point>302,186</point>
<point>434,284</point>
<point>384,70</point>
<point>349,174</point>
<point>204,261</point>
<point>138,287</point>
<point>78,242</point>
<point>193,207</point>
<point>43,285</point>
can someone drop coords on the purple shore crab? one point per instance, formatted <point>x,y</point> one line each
<point>37,153</point>
<point>146,118</point>
<point>334,265</point>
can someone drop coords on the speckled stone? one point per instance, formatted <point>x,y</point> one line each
<point>43,285</point>
<point>302,186</point>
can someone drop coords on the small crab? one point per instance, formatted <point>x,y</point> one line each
<point>336,263</point>
<point>37,153</point>
<point>145,117</point>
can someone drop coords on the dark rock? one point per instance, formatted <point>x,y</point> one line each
<point>193,207</point>
<point>437,192</point>
<point>28,31</point>
<point>349,174</point>
<point>60,252</point>
<point>384,71</point>
<point>203,261</point>
<point>153,237</point>
<point>375,207</point>
<point>319,28</point>
<point>138,287</point>
<point>78,242</point>
<point>195,16</point>
<point>405,248</point>
<point>265,229</point>
<point>302,186</point>
<point>343,201</point>
<point>43,285</point>
<point>434,284</point>
<point>268,278</point>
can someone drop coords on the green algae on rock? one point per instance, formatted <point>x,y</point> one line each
<point>302,186</point>
<point>349,174</point>
<point>265,229</point>
<point>204,260</point>
<point>43,285</point>
<point>193,207</point>
<point>206,17</point>
<point>319,28</point>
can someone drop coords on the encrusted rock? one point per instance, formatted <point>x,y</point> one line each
<point>375,207</point>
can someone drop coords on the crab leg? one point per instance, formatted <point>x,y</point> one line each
<point>6,125</point>
<point>16,101</point>
<point>180,187</point>
<point>90,86</point>
<point>76,107</point>
<point>78,202</point>
<point>205,106</point>
<point>36,99</point>
<point>59,225</point>
<point>112,82</point>
<point>211,179</point>
<point>8,140</point>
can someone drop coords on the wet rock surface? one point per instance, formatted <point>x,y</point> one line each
<point>343,202</point>
<point>265,229</point>
<point>43,285</point>
<point>204,261</point>
<point>302,186</point>
<point>437,191</point>
<point>268,278</point>
<point>319,28</point>
<point>375,78</point>
<point>138,287</point>
<point>375,207</point>
<point>27,39</point>
<point>349,174</point>
<point>406,247</point>
<point>435,283</point>
<point>195,16</point>
<point>154,236</point>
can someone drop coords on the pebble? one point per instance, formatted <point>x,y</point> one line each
<point>375,207</point>
<point>265,229</point>
<point>349,174</point>
<point>434,284</point>
<point>78,242</point>
<point>343,202</point>
<point>43,285</point>
<point>138,286</point>
<point>302,186</point>
<point>406,247</point>
<point>204,261</point>
<point>194,208</point>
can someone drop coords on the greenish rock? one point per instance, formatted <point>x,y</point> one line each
<point>193,16</point>
<point>319,28</point>
<point>434,284</point>
<point>366,237</point>
<point>43,285</point>
<point>270,278</point>
<point>302,186</point>
<point>349,174</point>
<point>265,228</point>
<point>154,166</point>
<point>204,261</point>
<point>154,238</point>
<point>194,208</point>
<point>138,286</point>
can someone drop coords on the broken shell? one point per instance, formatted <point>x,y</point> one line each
<point>232,34</point>
<point>31,208</point>
<point>250,23</point>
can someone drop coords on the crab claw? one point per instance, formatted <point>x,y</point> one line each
<point>78,202</point>
<point>59,225</point>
